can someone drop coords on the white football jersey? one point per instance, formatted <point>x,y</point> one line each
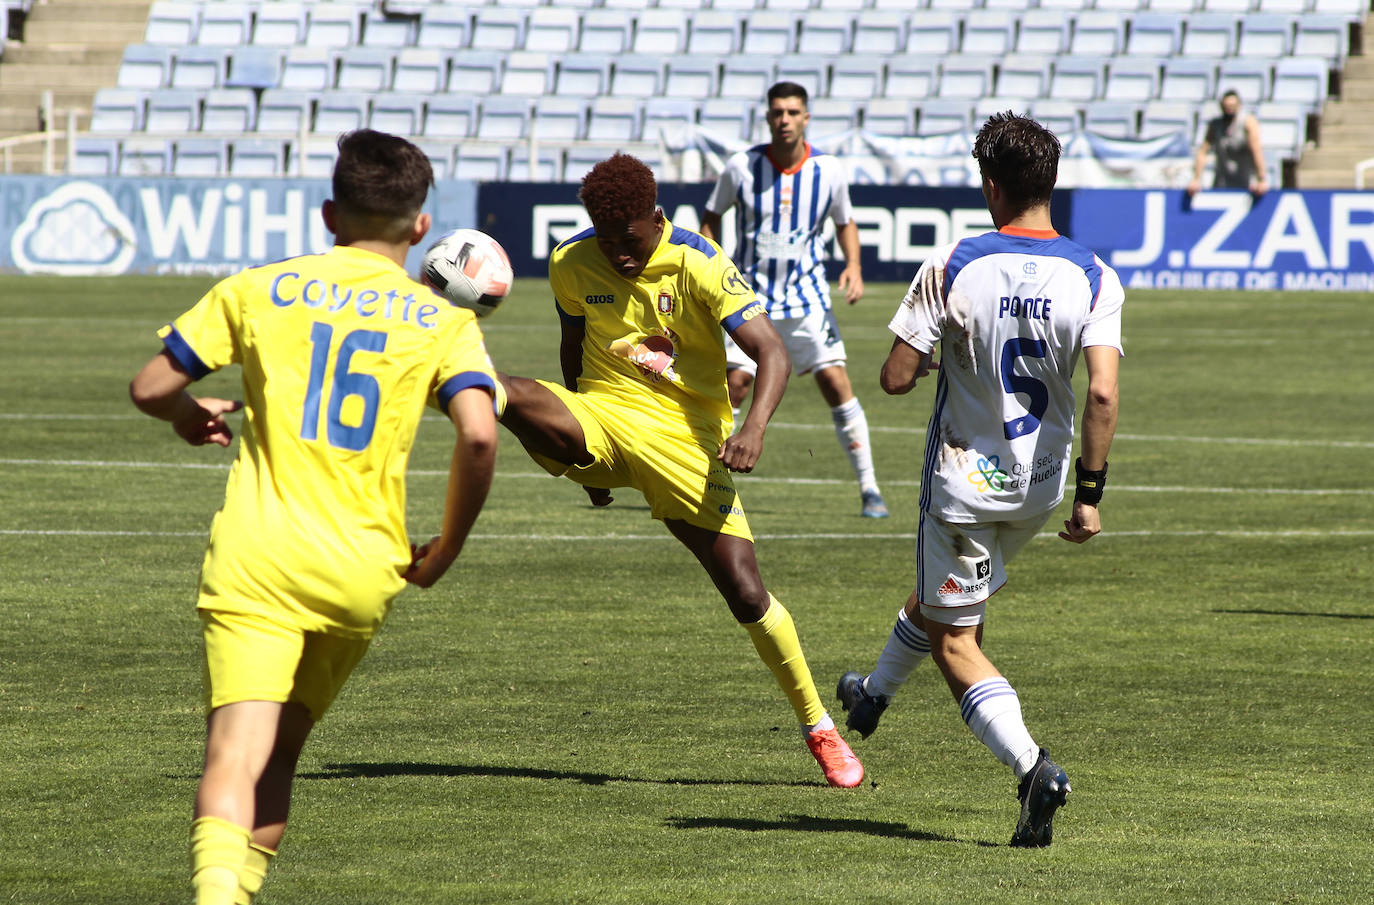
<point>1010,311</point>
<point>780,219</point>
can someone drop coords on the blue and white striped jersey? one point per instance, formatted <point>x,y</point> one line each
<point>1010,311</point>
<point>780,218</point>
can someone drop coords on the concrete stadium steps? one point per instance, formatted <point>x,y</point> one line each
<point>1346,135</point>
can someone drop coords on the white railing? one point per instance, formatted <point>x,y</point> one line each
<point>1359,171</point>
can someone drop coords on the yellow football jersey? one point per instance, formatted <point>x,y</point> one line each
<point>340,352</point>
<point>656,339</point>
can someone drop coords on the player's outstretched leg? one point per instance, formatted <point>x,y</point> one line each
<point>540,420</point>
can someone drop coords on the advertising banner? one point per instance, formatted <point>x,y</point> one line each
<point>109,226</point>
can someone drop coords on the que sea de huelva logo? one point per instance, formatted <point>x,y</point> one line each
<point>988,475</point>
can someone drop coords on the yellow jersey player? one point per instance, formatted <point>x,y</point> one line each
<point>310,547</point>
<point>644,307</point>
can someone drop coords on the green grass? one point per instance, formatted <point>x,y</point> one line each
<point>572,716</point>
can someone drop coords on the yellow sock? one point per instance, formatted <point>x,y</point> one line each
<point>218,851</point>
<point>253,873</point>
<point>775,638</point>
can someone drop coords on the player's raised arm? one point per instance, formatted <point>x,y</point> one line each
<point>761,342</point>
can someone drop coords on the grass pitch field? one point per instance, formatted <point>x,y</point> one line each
<point>571,716</point>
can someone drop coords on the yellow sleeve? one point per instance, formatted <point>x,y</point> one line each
<point>206,338</point>
<point>723,289</point>
<point>465,362</point>
<point>561,276</point>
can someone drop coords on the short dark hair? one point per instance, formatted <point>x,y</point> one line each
<point>1231,92</point>
<point>380,183</point>
<point>788,89</point>
<point>619,189</point>
<point>1021,156</point>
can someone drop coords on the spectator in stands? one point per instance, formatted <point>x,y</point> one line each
<point>1235,137</point>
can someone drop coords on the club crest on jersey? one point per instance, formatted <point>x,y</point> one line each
<point>1028,268</point>
<point>732,282</point>
<point>665,303</point>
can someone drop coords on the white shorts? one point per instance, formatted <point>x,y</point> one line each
<point>958,567</point>
<point>812,341</point>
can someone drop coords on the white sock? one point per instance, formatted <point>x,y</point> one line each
<point>993,711</point>
<point>906,647</point>
<point>825,723</point>
<point>851,429</point>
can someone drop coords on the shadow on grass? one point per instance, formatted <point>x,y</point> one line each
<point>804,823</point>
<point>381,770</point>
<point>1257,612</point>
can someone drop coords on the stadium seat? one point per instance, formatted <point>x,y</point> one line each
<point>144,66</point>
<point>682,4</point>
<point>1076,78</point>
<point>932,31</point>
<point>669,118</point>
<point>965,76</point>
<point>318,161</point>
<point>1098,33</point>
<point>1323,36</point>
<point>637,75</point>
<point>715,32</point>
<point>1227,6</point>
<point>730,118</point>
<point>199,67</point>
<point>660,31</point>
<point>769,33</point>
<point>1283,126</point>
<point>527,72</point>
<point>583,75</point>
<point>118,110</point>
<point>1300,80</point>
<point>444,27</point>
<point>810,71</point>
<point>747,77</point>
<point>498,28</point>
<point>1024,76</point>
<point>440,154</point>
<point>1063,118</point>
<point>381,30</point>
<point>1155,35</point>
<point>307,69</point>
<point>552,30</point>
<point>548,164</point>
<point>194,157</point>
<point>796,6</point>
<point>826,33</point>
<point>1252,79</point>
<point>1173,7</point>
<point>605,31</point>
<point>1111,120</point>
<point>420,69</point>
<point>95,157</point>
<point>144,157</point>
<point>281,110</point>
<point>1160,118</point>
<point>450,116</point>
<point>616,119</point>
<point>845,6</point>
<point>365,69</point>
<point>253,66</point>
<point>1189,79</point>
<point>691,77</point>
<point>475,72</point>
<point>1043,31</point>
<point>985,107</point>
<point>890,116</point>
<point>941,117</point>
<point>879,33</point>
<point>560,118</point>
<point>277,25</point>
<point>831,116</point>
<point>333,25</point>
<point>339,111</point>
<point>1266,36</point>
<point>578,160</point>
<point>397,113</point>
<point>1130,79</point>
<point>1210,35</point>
<point>172,23</point>
<point>1066,5</point>
<point>230,110</point>
<point>503,118</point>
<point>1353,10</point>
<point>483,163</point>
<point>988,31</point>
<point>173,111</point>
<point>911,78</point>
<point>224,24</point>
<point>1120,5</point>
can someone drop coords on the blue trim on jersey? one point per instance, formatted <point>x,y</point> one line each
<point>933,441</point>
<point>578,320</point>
<point>680,236</point>
<point>181,350</point>
<point>921,556</point>
<point>585,234</point>
<point>466,380</point>
<point>739,317</point>
<point>970,250</point>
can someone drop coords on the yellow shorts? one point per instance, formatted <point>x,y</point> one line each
<point>252,658</point>
<point>666,458</point>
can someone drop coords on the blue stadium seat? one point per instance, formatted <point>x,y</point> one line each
<point>199,67</point>
<point>879,33</point>
<point>1227,6</point>
<point>1132,79</point>
<point>715,32</point>
<point>1098,33</point>
<point>1025,76</point>
<point>440,154</point>
<point>989,31</point>
<point>254,66</point>
<point>381,30</point>
<point>830,116</point>
<point>333,25</point>
<point>339,111</point>
<point>747,77</point>
<point>941,117</point>
<point>95,157</point>
<point>1077,78</point>
<point>483,163</point>
<point>1283,127</point>
<point>1111,119</point>
<point>397,113</point>
<point>584,74</point>
<point>660,31</point>
<point>498,28</point>
<point>965,76</point>
<point>225,24</point>
<point>420,69</point>
<point>670,117</point>
<point>230,110</point>
<point>118,110</point>
<point>1174,7</point>
<point>1160,118</point>
<point>826,33</point>
<point>366,69</point>
<point>283,110</point>
<point>193,157</point>
<point>637,75</point>
<point>1324,36</point>
<point>1063,118</point>
<point>450,116</point>
<point>1300,80</point>
<point>578,160</point>
<point>1267,36</point>
<point>810,71</point>
<point>1043,31</point>
<point>1189,79</point>
<point>278,25</point>
<point>307,69</point>
<point>503,118</point>
<point>1155,35</point>
<point>1252,79</point>
<point>890,116</point>
<point>144,157</point>
<point>1210,35</point>
<point>560,119</point>
<point>731,118</point>
<point>552,30</point>
<point>318,162</point>
<point>527,72</point>
<point>863,76</point>
<point>475,72</point>
<point>172,23</point>
<point>691,77</point>
<point>615,119</point>
<point>145,66</point>
<point>173,111</point>
<point>444,27</point>
<point>932,31</point>
<point>770,33</point>
<point>605,31</point>
<point>548,164</point>
<point>1353,10</point>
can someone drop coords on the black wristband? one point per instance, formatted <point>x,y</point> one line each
<point>1088,485</point>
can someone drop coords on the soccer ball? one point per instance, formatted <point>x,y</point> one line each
<point>470,269</point>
